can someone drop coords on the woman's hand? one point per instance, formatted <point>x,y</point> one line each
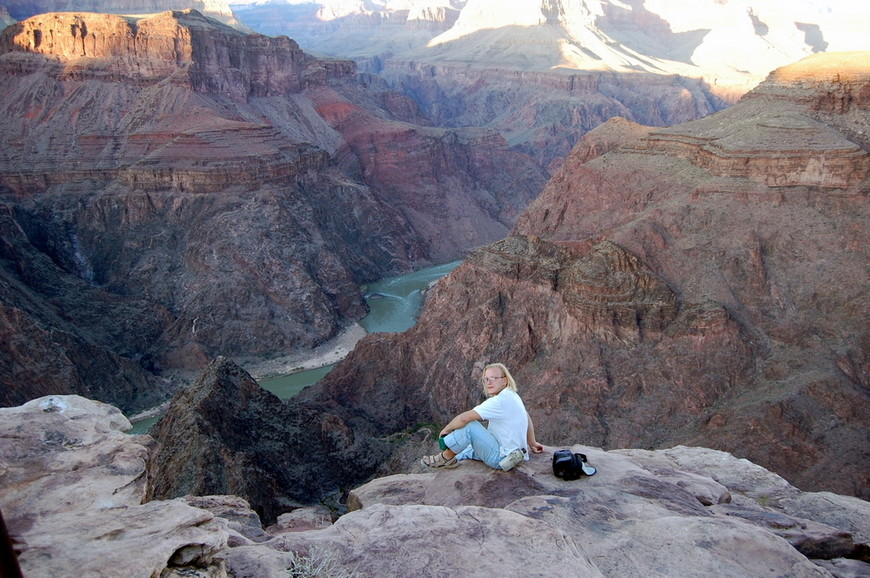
<point>534,446</point>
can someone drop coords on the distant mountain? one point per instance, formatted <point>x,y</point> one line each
<point>726,42</point>
<point>217,9</point>
<point>5,19</point>
<point>543,73</point>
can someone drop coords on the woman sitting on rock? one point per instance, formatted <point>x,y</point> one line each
<point>509,437</point>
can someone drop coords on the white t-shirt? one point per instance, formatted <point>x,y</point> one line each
<point>508,420</point>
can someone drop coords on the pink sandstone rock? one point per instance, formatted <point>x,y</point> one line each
<point>641,510</point>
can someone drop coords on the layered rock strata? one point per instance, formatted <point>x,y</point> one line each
<point>217,9</point>
<point>211,184</point>
<point>146,72</point>
<point>702,284</point>
<point>725,43</point>
<point>545,113</point>
<point>72,485</point>
<point>544,73</point>
<point>821,142</point>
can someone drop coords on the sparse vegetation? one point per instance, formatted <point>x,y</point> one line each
<point>317,564</point>
<point>431,428</point>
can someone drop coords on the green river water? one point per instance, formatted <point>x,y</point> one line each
<point>394,305</point>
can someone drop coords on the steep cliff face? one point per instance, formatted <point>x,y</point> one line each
<point>700,284</point>
<point>456,188</point>
<point>226,435</point>
<point>231,182</point>
<point>194,51</point>
<point>545,113</point>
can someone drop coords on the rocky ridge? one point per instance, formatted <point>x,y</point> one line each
<point>545,113</point>
<point>702,284</point>
<point>205,204</point>
<point>224,434</point>
<point>684,510</point>
<point>727,43</point>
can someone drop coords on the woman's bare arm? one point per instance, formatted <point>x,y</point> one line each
<point>534,446</point>
<point>460,420</point>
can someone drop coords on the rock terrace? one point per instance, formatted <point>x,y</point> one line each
<point>644,513</point>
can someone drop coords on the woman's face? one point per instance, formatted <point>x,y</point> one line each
<point>494,381</point>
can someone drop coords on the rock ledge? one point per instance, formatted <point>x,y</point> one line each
<point>644,513</point>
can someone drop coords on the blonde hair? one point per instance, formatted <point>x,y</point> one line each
<point>511,383</point>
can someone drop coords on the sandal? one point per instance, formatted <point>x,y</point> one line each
<point>439,461</point>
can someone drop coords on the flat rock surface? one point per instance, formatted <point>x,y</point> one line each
<point>683,511</point>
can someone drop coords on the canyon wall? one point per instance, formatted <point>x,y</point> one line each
<point>545,113</point>
<point>174,189</point>
<point>702,284</point>
<point>23,9</point>
<point>734,43</point>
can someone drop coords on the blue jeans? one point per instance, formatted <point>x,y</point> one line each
<point>474,442</point>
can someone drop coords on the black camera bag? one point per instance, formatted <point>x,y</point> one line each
<point>568,465</point>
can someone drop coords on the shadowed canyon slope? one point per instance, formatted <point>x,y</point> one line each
<point>701,284</point>
<point>224,434</point>
<point>173,189</point>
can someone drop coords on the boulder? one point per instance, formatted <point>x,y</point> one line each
<point>72,486</point>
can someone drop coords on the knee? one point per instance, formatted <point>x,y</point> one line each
<point>474,426</point>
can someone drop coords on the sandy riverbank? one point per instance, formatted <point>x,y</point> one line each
<point>328,353</point>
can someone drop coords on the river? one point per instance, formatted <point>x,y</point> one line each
<point>394,305</point>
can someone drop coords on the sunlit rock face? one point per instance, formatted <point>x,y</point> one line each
<point>545,73</point>
<point>720,41</point>
<point>73,487</point>
<point>704,283</point>
<point>174,189</point>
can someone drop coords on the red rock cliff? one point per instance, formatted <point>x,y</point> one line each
<point>186,46</point>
